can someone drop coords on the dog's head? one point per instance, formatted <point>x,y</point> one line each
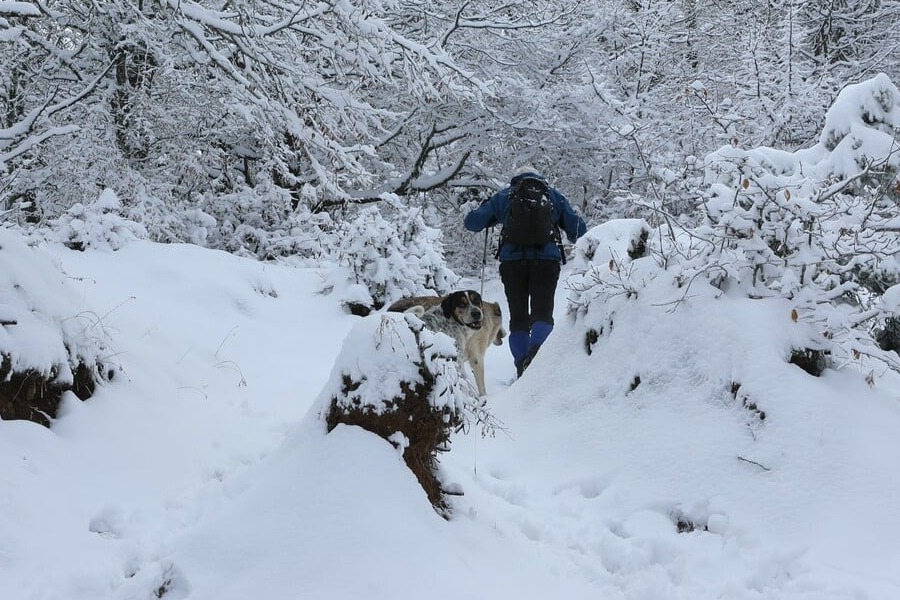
<point>464,307</point>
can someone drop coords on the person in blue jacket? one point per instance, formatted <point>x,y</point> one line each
<point>529,273</point>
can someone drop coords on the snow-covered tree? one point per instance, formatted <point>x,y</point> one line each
<point>198,103</point>
<point>816,227</point>
<point>232,123</point>
<point>380,260</point>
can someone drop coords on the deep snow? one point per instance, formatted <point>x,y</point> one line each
<point>202,470</point>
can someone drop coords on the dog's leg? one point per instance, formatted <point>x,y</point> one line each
<point>478,369</point>
<point>497,335</point>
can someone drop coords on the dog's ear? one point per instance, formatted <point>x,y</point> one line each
<point>448,304</point>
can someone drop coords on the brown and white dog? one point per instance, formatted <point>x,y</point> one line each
<point>456,315</point>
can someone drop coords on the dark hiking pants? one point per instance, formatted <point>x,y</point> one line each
<point>530,287</point>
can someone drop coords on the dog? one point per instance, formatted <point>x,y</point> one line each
<point>474,342</point>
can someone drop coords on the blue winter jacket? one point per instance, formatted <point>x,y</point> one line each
<point>496,210</point>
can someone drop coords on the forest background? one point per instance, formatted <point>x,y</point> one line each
<point>263,128</point>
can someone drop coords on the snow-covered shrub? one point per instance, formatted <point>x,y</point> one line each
<point>98,224</point>
<point>382,260</point>
<point>612,241</point>
<point>48,344</point>
<point>261,222</point>
<point>610,264</point>
<point>817,227</point>
<point>402,382</point>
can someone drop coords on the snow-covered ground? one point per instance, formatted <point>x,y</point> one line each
<point>200,471</point>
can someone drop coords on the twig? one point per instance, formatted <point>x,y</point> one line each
<point>753,462</point>
<point>230,364</point>
<point>225,339</point>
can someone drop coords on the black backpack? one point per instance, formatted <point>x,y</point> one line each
<point>530,221</point>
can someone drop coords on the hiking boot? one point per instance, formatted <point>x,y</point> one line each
<point>525,362</point>
<point>530,357</point>
<point>520,367</point>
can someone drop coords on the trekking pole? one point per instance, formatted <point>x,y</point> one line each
<point>484,261</point>
<point>475,456</point>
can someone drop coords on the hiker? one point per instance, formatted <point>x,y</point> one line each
<point>530,253</point>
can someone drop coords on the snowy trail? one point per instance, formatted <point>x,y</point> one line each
<point>676,489</point>
<point>199,474</point>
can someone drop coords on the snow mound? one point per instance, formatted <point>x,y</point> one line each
<point>49,342</point>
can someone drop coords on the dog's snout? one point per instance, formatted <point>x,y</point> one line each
<point>476,313</point>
